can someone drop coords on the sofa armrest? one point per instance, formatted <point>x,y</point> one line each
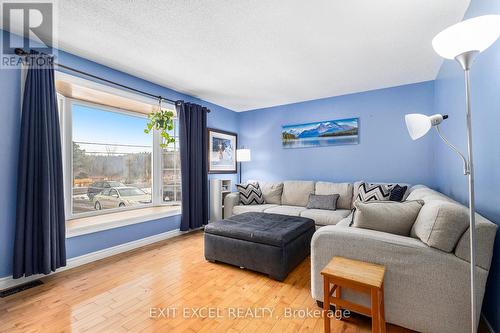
<point>418,279</point>
<point>231,200</point>
<point>485,239</point>
<point>401,255</point>
<point>359,244</point>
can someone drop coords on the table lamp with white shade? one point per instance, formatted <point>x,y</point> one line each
<point>462,42</point>
<point>243,155</point>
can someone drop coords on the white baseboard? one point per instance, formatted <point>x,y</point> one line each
<point>8,281</point>
<point>488,325</point>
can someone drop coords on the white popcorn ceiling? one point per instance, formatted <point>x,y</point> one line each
<point>248,54</point>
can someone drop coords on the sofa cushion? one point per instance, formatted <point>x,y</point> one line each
<point>296,192</point>
<point>250,194</point>
<point>485,229</point>
<point>325,217</point>
<point>344,190</point>
<point>272,192</point>
<point>440,224</point>
<point>286,210</point>
<point>328,202</point>
<point>387,216</point>
<point>240,209</point>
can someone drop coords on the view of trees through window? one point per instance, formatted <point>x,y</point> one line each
<point>111,160</point>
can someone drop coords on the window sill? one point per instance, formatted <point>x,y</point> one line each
<point>87,225</point>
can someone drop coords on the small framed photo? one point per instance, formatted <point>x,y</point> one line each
<point>221,151</point>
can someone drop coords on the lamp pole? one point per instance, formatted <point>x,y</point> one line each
<point>465,60</point>
<point>241,171</point>
<point>462,42</point>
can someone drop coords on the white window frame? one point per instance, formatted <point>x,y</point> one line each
<point>179,200</point>
<point>65,114</point>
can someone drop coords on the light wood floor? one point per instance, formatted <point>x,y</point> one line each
<point>117,293</point>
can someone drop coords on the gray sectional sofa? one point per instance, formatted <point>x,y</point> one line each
<point>290,198</point>
<point>426,287</point>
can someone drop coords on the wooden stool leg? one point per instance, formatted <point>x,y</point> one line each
<point>338,293</point>
<point>382,310</point>
<point>326,303</point>
<point>375,310</point>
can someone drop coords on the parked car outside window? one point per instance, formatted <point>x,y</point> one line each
<point>121,196</point>
<point>97,187</point>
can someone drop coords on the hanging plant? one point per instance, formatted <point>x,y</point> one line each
<point>162,121</point>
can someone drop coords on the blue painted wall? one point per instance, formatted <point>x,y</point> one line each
<point>449,179</point>
<point>88,243</point>
<point>10,83</point>
<point>385,151</point>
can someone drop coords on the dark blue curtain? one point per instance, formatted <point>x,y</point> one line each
<point>40,225</point>
<point>194,171</point>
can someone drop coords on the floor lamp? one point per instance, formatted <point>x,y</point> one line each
<point>462,42</point>
<point>242,155</point>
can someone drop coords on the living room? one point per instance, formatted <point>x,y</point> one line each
<point>250,166</point>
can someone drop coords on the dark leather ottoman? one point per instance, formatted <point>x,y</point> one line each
<point>268,243</point>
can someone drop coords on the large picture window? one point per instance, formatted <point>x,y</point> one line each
<point>110,164</point>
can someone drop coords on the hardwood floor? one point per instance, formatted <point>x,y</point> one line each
<point>120,293</point>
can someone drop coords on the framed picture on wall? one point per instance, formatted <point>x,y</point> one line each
<point>322,133</point>
<point>221,151</point>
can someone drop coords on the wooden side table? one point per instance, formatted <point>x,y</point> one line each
<point>359,276</point>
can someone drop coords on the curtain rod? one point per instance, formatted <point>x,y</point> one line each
<point>21,52</point>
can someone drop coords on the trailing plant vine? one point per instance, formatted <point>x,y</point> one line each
<point>162,121</point>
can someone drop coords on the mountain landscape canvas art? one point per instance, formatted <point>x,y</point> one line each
<point>322,133</point>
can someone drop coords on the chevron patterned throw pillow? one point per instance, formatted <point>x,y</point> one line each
<point>374,192</point>
<point>250,194</point>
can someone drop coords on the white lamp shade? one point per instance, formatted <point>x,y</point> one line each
<point>419,124</point>
<point>243,155</point>
<point>475,34</point>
